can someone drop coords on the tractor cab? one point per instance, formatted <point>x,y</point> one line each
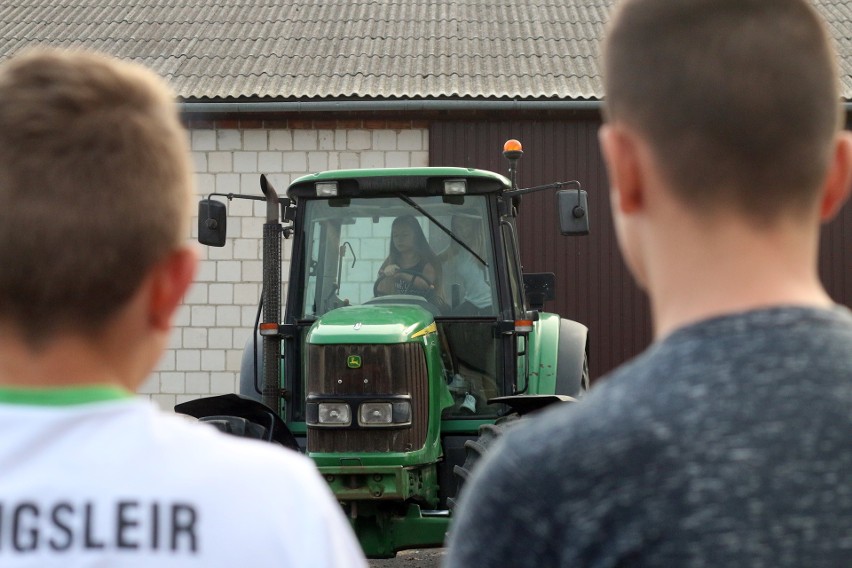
<point>421,238</point>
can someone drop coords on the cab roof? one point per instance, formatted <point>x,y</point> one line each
<point>389,181</point>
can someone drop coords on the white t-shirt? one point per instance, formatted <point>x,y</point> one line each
<point>462,268</point>
<point>119,483</point>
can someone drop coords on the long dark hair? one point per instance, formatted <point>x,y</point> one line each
<point>421,245</point>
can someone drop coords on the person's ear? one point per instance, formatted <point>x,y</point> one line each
<point>837,184</point>
<point>170,279</point>
<point>621,156</point>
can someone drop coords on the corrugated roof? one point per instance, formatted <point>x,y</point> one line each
<point>321,49</point>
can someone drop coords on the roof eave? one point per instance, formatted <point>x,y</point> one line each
<point>408,105</point>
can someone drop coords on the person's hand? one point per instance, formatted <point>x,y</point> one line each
<point>390,270</point>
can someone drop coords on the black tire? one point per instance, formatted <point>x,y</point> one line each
<point>585,381</point>
<point>572,359</point>
<point>475,450</point>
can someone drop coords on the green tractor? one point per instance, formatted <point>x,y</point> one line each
<point>409,331</point>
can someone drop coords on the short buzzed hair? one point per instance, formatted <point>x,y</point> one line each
<point>95,184</point>
<point>738,98</point>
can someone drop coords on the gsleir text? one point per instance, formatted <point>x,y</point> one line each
<point>29,526</point>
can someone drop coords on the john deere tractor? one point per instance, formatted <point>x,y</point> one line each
<point>391,354</point>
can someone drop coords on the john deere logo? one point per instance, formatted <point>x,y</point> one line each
<point>353,361</point>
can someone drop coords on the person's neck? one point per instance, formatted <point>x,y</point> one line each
<point>409,258</point>
<point>730,267</point>
<point>65,361</point>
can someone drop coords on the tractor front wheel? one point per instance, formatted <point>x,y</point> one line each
<point>475,450</point>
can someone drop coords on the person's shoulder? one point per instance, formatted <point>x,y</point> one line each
<point>232,466</point>
<point>784,319</point>
<point>836,320</point>
<point>576,428</point>
<point>204,444</point>
<point>229,476</point>
<point>754,335</point>
<point>622,411</point>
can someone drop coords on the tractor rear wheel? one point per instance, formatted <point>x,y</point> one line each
<point>475,450</point>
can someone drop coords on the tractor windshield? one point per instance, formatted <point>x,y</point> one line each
<point>430,249</point>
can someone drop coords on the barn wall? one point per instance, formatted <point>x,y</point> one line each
<point>835,263</point>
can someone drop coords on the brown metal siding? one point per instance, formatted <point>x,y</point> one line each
<point>593,284</point>
<point>835,262</point>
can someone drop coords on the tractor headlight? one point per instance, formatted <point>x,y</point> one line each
<point>384,413</point>
<point>370,414</point>
<point>455,187</point>
<point>375,413</point>
<point>333,414</point>
<point>326,188</point>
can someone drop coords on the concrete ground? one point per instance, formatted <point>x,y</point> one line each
<point>426,558</point>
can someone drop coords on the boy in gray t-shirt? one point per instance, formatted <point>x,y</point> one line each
<point>725,444</point>
<point>729,441</point>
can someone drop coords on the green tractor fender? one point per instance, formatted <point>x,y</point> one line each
<point>557,354</point>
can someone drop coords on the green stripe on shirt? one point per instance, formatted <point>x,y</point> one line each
<point>66,396</point>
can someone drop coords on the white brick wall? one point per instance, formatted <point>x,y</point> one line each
<point>216,319</point>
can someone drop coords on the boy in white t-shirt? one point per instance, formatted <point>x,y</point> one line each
<point>96,186</point>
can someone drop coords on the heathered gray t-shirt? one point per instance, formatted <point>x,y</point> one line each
<point>728,443</point>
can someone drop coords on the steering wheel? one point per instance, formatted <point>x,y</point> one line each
<point>410,289</point>
<point>427,298</point>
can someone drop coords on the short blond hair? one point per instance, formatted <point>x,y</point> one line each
<point>95,186</point>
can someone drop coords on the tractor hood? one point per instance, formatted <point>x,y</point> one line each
<point>384,323</point>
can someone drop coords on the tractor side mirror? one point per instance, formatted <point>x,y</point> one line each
<point>573,206</point>
<point>212,223</point>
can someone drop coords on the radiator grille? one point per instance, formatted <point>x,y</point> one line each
<point>398,369</point>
